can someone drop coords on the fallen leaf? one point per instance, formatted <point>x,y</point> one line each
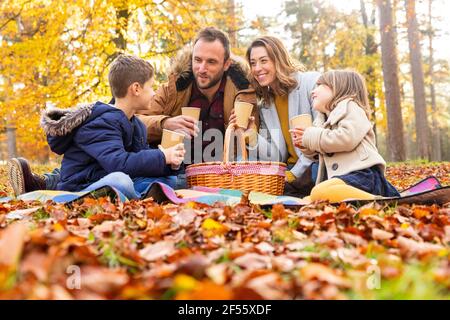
<point>11,244</point>
<point>253,261</point>
<point>212,228</point>
<point>158,250</point>
<point>185,217</point>
<point>418,248</point>
<point>102,280</point>
<point>379,234</point>
<point>319,271</point>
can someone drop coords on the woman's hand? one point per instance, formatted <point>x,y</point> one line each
<point>297,137</point>
<point>250,133</point>
<point>174,155</point>
<point>232,121</point>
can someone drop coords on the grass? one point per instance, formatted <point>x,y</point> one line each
<point>111,256</point>
<point>415,283</point>
<point>41,214</point>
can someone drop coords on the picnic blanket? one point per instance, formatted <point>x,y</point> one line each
<point>162,193</point>
<point>67,197</point>
<point>427,191</point>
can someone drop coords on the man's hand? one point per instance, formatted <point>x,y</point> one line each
<point>297,137</point>
<point>184,124</point>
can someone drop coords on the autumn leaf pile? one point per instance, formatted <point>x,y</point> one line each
<point>144,250</point>
<point>403,175</point>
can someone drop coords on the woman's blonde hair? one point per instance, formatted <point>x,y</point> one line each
<point>346,84</point>
<point>284,68</point>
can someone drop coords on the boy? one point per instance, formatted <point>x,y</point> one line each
<point>107,144</point>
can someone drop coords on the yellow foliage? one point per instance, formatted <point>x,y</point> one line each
<point>184,282</point>
<point>211,228</point>
<point>58,52</point>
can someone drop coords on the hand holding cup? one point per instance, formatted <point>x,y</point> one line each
<point>192,112</point>
<point>243,112</point>
<point>174,155</point>
<point>171,138</point>
<point>297,137</point>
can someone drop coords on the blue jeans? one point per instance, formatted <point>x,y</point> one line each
<point>131,188</point>
<point>52,179</point>
<point>181,181</point>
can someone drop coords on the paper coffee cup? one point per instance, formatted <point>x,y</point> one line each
<point>302,121</point>
<point>171,138</point>
<point>243,111</point>
<point>191,112</point>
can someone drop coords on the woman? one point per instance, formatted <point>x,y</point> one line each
<point>284,91</point>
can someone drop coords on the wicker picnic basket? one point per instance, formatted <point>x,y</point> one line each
<point>261,176</point>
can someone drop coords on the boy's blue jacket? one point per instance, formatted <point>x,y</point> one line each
<point>99,139</point>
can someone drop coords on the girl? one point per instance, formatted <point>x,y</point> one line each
<point>343,138</point>
<point>283,90</point>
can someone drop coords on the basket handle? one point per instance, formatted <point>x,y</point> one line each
<point>227,141</point>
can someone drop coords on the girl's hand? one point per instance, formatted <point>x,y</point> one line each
<point>297,137</point>
<point>174,155</point>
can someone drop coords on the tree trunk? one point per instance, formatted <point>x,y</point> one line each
<point>395,140</point>
<point>436,154</point>
<point>122,16</point>
<point>415,56</point>
<point>10,124</point>
<point>232,25</point>
<point>11,140</point>
<point>370,49</point>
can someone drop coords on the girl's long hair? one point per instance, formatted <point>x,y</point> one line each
<point>346,84</point>
<point>284,67</point>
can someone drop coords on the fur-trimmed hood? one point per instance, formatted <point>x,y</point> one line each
<point>60,124</point>
<point>182,69</point>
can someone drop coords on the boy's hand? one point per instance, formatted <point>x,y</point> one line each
<point>297,137</point>
<point>174,155</point>
<point>184,124</point>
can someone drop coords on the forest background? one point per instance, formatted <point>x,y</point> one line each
<point>57,53</point>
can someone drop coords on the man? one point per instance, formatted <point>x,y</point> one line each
<point>208,78</point>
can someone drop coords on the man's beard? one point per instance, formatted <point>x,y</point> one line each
<point>211,83</point>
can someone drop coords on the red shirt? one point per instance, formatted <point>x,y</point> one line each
<point>211,114</point>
